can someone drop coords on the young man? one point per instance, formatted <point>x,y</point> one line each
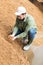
<point>25,28</point>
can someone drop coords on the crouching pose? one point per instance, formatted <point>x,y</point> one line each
<point>25,28</point>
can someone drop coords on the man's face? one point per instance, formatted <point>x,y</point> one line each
<point>22,16</point>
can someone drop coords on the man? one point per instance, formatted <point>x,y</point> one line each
<point>25,28</point>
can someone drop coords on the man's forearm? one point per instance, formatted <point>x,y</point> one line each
<point>21,35</point>
<point>15,29</point>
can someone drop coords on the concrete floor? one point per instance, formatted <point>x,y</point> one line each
<point>35,55</point>
<point>38,55</point>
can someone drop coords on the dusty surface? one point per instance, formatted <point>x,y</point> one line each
<point>11,53</point>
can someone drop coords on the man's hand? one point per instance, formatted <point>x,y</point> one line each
<point>11,37</point>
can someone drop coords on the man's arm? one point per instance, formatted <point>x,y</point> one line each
<point>15,29</point>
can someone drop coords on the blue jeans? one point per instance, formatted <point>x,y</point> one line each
<point>31,34</point>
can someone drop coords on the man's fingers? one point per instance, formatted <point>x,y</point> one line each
<point>10,37</point>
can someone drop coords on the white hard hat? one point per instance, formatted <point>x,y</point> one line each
<point>20,10</point>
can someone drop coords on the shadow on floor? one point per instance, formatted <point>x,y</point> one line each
<point>38,4</point>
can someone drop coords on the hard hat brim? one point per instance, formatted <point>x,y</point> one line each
<point>18,13</point>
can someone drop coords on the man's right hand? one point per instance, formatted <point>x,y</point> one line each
<point>11,37</point>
